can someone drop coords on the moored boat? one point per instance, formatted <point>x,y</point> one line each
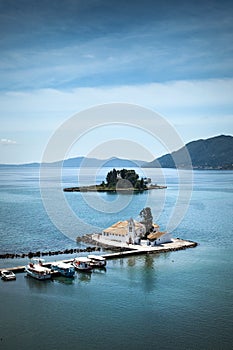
<point>36,270</point>
<point>64,269</point>
<point>82,263</point>
<point>97,261</point>
<point>7,275</point>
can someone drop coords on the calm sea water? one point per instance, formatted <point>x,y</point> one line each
<point>179,300</point>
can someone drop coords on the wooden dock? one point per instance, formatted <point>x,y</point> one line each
<point>176,244</point>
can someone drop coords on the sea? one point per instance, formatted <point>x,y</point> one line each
<point>178,300</point>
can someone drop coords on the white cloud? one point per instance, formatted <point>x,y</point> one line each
<point>145,53</point>
<point>7,142</point>
<point>176,94</point>
<point>89,56</point>
<point>202,103</point>
<point>196,109</point>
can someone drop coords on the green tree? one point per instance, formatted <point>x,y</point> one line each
<point>122,173</point>
<point>129,175</point>
<point>111,178</point>
<point>132,177</point>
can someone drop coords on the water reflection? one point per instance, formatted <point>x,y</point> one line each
<point>131,261</point>
<point>36,284</point>
<point>142,270</point>
<point>149,273</point>
<point>100,271</point>
<point>63,279</point>
<point>149,261</point>
<point>84,276</point>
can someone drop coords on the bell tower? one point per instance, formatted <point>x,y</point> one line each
<point>131,231</point>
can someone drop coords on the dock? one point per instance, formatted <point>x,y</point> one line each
<point>174,245</point>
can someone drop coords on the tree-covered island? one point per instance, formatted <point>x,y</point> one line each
<point>119,180</point>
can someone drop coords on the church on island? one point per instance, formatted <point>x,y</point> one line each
<point>131,232</point>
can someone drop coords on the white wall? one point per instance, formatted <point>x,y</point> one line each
<point>166,238</point>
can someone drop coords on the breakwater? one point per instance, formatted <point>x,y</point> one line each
<point>85,239</point>
<point>47,253</point>
<point>119,253</point>
<point>116,251</point>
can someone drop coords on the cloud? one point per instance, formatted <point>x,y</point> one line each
<point>88,56</point>
<point>175,94</point>
<point>7,142</point>
<point>196,108</point>
<point>46,109</point>
<point>138,52</point>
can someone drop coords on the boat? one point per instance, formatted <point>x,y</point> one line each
<point>7,275</point>
<point>97,261</point>
<point>36,270</point>
<point>64,269</point>
<point>82,263</point>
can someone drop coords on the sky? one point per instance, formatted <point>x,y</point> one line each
<point>61,57</point>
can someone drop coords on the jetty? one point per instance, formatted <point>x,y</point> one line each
<point>124,250</point>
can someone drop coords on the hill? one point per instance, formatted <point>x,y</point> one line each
<point>77,162</point>
<point>113,162</point>
<point>212,153</point>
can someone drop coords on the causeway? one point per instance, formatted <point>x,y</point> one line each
<point>127,250</point>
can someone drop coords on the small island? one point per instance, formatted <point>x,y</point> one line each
<point>123,180</point>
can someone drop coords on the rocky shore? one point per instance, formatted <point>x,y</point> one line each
<point>87,239</point>
<point>98,188</point>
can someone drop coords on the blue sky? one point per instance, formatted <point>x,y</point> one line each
<point>61,57</point>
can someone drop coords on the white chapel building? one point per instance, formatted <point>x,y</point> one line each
<point>157,238</point>
<point>128,231</point>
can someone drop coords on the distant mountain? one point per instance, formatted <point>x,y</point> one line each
<point>84,162</point>
<point>94,162</point>
<point>212,153</point>
<point>26,165</point>
<point>115,162</point>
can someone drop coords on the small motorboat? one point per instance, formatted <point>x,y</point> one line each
<point>36,270</point>
<point>97,261</point>
<point>82,263</point>
<point>7,275</point>
<point>64,269</point>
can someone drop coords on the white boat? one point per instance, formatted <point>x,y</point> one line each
<point>7,275</point>
<point>64,269</point>
<point>36,270</point>
<point>97,261</point>
<point>82,263</point>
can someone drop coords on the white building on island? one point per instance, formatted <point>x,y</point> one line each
<point>128,231</point>
<point>131,231</point>
<point>156,238</point>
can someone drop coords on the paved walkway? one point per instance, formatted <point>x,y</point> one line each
<point>175,244</point>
